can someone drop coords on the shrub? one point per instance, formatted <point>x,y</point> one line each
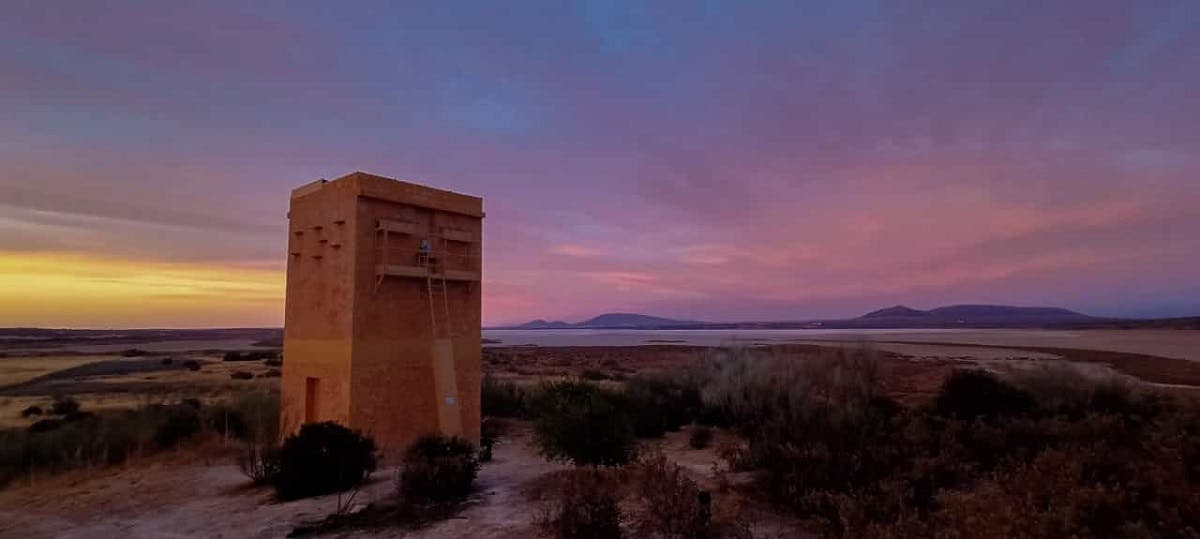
<point>669,504</point>
<point>173,423</point>
<point>438,469</point>
<point>502,398</point>
<point>64,406</point>
<point>241,375</point>
<point>191,365</point>
<point>594,375</point>
<point>45,425</point>
<point>31,411</point>
<point>700,437</point>
<point>585,505</point>
<point>133,352</point>
<point>260,463</point>
<point>250,355</point>
<point>659,404</point>
<point>583,424</point>
<point>167,361</point>
<point>226,421</point>
<point>970,394</point>
<point>490,430</point>
<point>323,458</point>
<point>80,439</point>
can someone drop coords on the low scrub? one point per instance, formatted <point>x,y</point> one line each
<point>251,355</point>
<point>583,424</point>
<point>700,437</point>
<point>584,504</point>
<point>260,463</point>
<point>503,398</point>
<point>81,438</point>
<point>438,469</point>
<point>669,504</point>
<point>1045,454</point>
<point>323,458</point>
<point>660,404</point>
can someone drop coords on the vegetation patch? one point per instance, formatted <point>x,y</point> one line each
<point>321,459</point>
<point>584,424</point>
<point>81,438</point>
<point>438,469</point>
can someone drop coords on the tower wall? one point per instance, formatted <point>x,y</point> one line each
<point>401,353</point>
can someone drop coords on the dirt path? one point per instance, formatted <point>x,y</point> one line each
<point>201,493</point>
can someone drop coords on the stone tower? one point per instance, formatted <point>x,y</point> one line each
<point>382,322</point>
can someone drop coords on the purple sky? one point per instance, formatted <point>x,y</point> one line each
<point>707,160</point>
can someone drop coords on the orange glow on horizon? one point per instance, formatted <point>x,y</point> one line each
<point>80,291</point>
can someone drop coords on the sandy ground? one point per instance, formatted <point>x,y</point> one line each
<point>199,492</point>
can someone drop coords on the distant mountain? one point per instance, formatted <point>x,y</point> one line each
<point>983,313</point>
<point>631,320</point>
<point>611,321</point>
<point>970,315</point>
<point>899,316</point>
<point>895,312</point>
<point>543,324</point>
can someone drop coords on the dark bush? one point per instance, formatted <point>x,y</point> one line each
<point>167,361</point>
<point>584,505</point>
<point>970,394</point>
<point>594,375</point>
<point>78,416</point>
<point>191,365</point>
<point>490,429</point>
<point>241,375</point>
<point>82,439</point>
<point>250,355</point>
<point>133,352</point>
<point>671,504</point>
<point>31,411</point>
<point>659,405</point>
<point>64,406</point>
<point>323,458</point>
<point>226,421</point>
<point>45,425</point>
<point>583,424</point>
<point>174,423</point>
<point>438,469</point>
<point>700,437</point>
<point>260,463</point>
<point>503,398</point>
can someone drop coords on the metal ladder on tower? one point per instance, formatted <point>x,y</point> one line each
<point>435,285</point>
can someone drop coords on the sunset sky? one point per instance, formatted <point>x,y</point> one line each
<point>713,160</point>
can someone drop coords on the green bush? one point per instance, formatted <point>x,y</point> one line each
<point>583,424</point>
<point>438,469</point>
<point>323,458</point>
